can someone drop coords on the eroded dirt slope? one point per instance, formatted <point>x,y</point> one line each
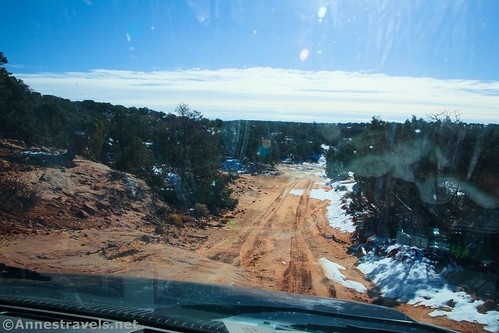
<point>88,218</point>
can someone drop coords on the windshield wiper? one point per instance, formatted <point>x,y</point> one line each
<point>21,273</point>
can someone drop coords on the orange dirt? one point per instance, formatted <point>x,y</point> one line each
<point>277,238</point>
<point>87,223</point>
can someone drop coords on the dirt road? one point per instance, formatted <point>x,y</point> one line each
<point>277,237</point>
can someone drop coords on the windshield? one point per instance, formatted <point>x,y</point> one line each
<point>340,149</point>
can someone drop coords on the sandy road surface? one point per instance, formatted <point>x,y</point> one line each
<point>278,237</point>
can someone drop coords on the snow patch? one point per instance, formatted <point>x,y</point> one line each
<point>336,216</point>
<point>322,161</point>
<point>409,277</point>
<point>332,271</point>
<point>296,191</point>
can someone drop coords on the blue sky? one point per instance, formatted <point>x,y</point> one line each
<point>371,57</point>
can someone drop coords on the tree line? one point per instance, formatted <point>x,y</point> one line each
<point>140,141</point>
<point>433,179</point>
<point>179,154</point>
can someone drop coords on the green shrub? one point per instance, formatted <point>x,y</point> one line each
<point>201,210</point>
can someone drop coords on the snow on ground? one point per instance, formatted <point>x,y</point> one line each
<point>332,271</point>
<point>322,161</point>
<point>296,191</point>
<point>410,277</point>
<point>336,216</point>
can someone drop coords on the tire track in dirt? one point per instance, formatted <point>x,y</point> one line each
<point>303,275</point>
<point>274,247</point>
<point>253,247</point>
<point>279,247</point>
<point>297,278</point>
<point>260,252</point>
<point>240,251</point>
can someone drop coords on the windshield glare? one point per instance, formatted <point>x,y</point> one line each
<point>152,153</point>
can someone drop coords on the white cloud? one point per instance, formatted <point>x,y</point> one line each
<point>278,94</point>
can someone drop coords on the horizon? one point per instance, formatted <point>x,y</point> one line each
<point>234,94</point>
<point>303,61</point>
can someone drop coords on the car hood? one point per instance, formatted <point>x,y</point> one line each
<point>195,304</point>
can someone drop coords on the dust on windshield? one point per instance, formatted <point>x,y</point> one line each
<point>336,149</point>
